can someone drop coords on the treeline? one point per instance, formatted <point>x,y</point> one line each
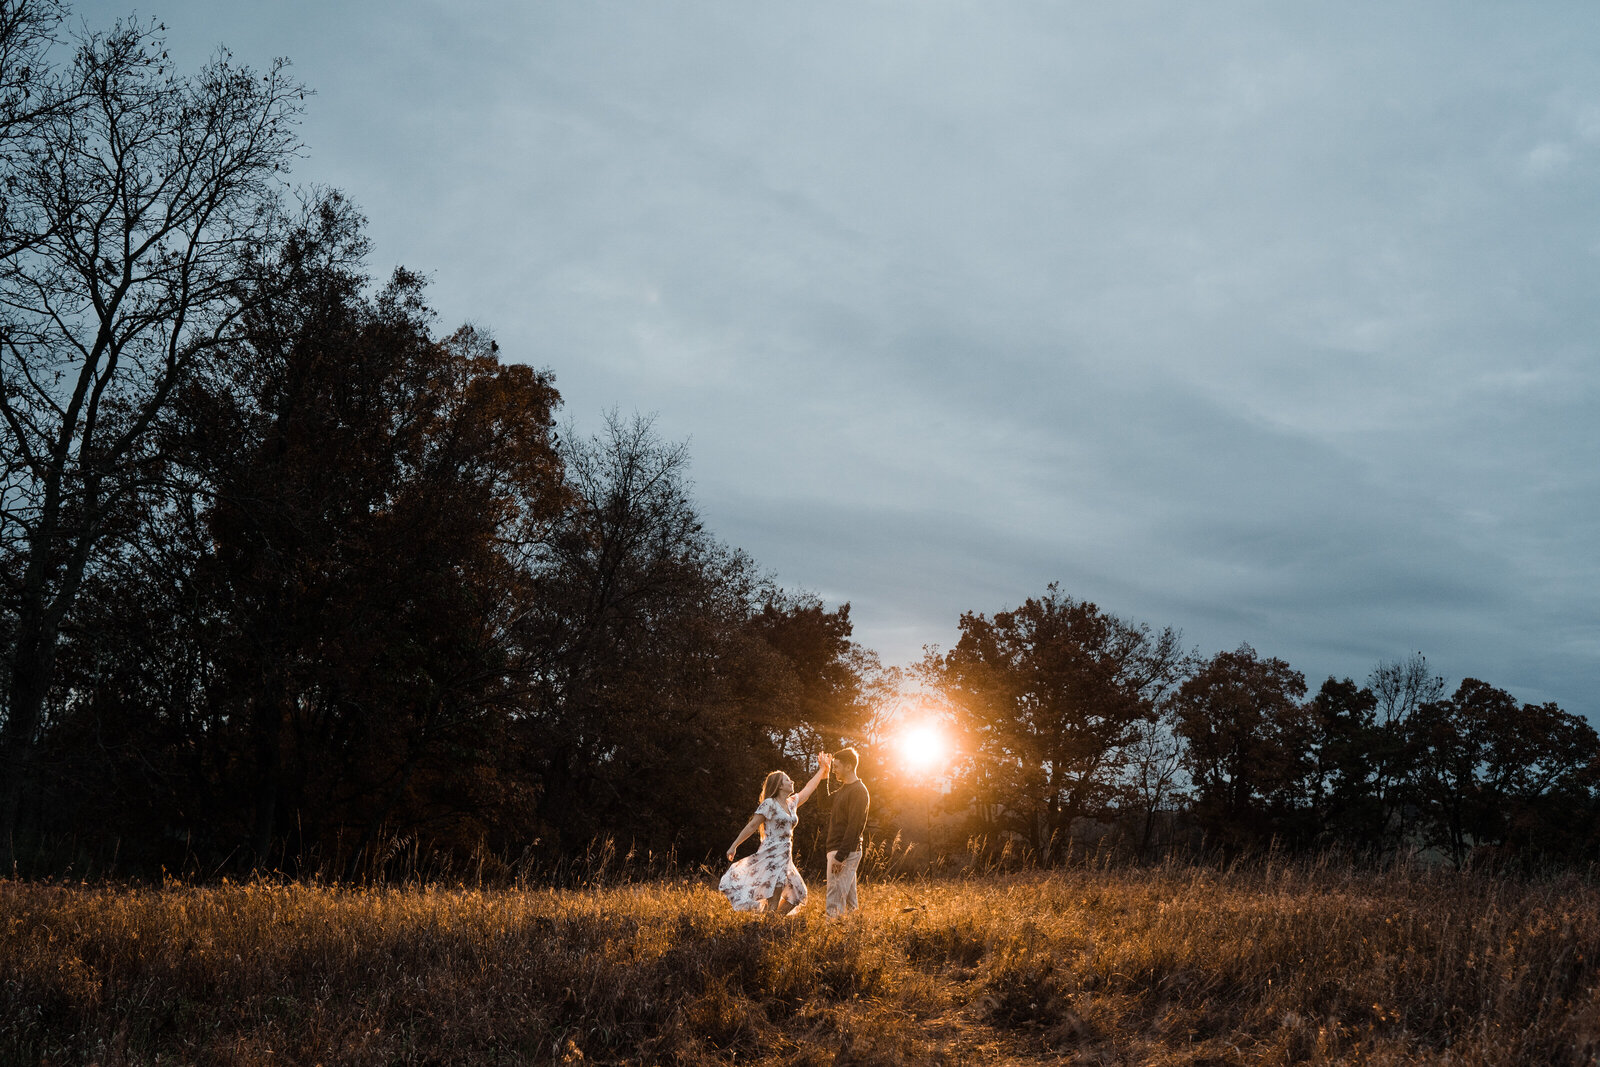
<point>292,579</point>
<point>1079,723</point>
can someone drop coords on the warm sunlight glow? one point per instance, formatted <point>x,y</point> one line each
<point>922,747</point>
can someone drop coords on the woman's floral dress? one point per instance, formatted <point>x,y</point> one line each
<point>751,881</point>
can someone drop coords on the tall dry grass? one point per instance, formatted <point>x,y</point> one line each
<point>1273,964</point>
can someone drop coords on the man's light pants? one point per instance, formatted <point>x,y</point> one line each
<point>842,886</point>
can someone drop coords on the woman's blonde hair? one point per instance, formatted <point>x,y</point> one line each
<point>769,786</point>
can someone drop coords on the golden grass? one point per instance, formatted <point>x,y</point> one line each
<point>1170,966</point>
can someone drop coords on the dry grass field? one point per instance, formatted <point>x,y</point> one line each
<point>1273,964</point>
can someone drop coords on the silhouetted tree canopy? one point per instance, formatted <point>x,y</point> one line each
<point>292,578</point>
<point>378,600</point>
<point>1056,690</point>
<point>135,201</point>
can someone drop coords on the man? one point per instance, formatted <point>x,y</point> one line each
<point>846,824</point>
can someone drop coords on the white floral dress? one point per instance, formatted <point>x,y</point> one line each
<point>750,882</point>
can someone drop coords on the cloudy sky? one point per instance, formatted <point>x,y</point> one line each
<point>1276,323</point>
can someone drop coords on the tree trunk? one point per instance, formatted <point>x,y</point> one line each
<point>269,766</point>
<point>1147,831</point>
<point>32,667</point>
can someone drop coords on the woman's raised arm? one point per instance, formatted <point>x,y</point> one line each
<point>816,780</point>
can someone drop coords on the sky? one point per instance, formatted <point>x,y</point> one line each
<point>1273,323</point>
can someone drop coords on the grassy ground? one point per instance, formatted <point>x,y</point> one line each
<point>1170,966</point>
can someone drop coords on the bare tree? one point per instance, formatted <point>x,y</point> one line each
<point>1152,764</point>
<point>135,207</point>
<point>1402,686</point>
<point>27,30</point>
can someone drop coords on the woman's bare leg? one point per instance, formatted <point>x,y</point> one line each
<point>795,894</point>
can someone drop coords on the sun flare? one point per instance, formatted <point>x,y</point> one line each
<point>922,746</point>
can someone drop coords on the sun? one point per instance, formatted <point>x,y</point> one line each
<point>922,746</point>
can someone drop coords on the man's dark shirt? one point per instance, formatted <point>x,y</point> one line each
<point>849,819</point>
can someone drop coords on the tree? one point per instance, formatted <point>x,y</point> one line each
<point>1247,738</point>
<point>657,711</point>
<point>1345,743</point>
<point>27,30</point>
<point>1400,688</point>
<point>1453,741</point>
<point>1543,768</point>
<point>1151,763</point>
<point>310,638</point>
<point>829,699</point>
<point>379,499</point>
<point>1492,772</point>
<point>135,206</point>
<point>671,675</point>
<point>1059,687</point>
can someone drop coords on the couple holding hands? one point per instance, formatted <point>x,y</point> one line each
<point>767,880</point>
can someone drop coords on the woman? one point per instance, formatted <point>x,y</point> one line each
<point>767,880</point>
